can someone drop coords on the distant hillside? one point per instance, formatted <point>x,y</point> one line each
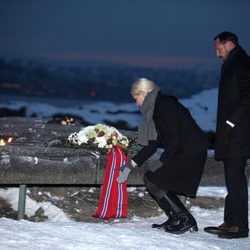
<point>31,78</point>
<point>202,107</point>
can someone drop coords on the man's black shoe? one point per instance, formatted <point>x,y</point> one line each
<point>234,233</point>
<point>217,230</point>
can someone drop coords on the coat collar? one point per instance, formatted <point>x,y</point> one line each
<point>234,52</point>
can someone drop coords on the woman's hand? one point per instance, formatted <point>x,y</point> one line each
<point>125,172</point>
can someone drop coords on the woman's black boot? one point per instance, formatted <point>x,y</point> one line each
<point>171,218</point>
<point>184,221</point>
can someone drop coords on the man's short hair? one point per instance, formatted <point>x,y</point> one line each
<point>227,36</point>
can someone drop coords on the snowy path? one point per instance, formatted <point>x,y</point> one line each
<point>135,234</point>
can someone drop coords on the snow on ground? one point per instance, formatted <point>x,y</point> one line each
<point>134,234</point>
<point>54,213</point>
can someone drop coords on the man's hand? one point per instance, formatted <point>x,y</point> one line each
<point>125,171</point>
<point>225,134</point>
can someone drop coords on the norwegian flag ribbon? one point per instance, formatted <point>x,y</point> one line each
<point>114,197</point>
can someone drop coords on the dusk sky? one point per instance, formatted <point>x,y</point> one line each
<point>155,33</point>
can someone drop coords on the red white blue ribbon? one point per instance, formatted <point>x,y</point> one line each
<point>113,200</point>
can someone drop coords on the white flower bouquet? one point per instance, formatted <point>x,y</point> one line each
<point>100,135</point>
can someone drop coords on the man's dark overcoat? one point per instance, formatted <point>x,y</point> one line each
<point>185,147</point>
<point>234,105</point>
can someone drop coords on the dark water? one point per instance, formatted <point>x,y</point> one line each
<point>55,101</point>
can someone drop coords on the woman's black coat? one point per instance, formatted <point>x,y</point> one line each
<point>234,105</point>
<point>185,147</point>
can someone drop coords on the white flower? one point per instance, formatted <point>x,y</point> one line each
<point>101,142</point>
<point>82,135</point>
<point>101,135</point>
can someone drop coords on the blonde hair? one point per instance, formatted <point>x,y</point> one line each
<point>142,85</point>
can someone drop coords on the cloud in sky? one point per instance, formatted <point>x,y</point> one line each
<point>142,32</point>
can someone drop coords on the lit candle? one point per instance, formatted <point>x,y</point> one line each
<point>2,142</point>
<point>9,139</point>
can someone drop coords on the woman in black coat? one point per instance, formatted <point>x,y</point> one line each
<point>168,124</point>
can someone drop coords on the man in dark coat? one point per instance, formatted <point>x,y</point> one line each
<point>232,144</point>
<point>167,123</point>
